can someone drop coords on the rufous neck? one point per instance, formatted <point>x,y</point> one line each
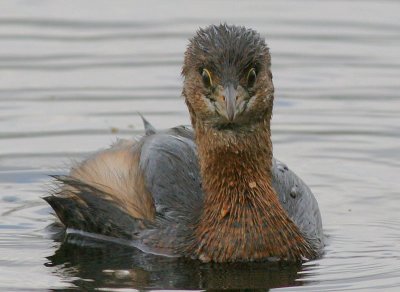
<point>242,219</point>
<point>235,155</point>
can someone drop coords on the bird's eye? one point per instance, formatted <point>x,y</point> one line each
<point>251,77</point>
<point>206,76</point>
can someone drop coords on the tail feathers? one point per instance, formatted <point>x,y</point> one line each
<point>84,207</point>
<point>148,128</point>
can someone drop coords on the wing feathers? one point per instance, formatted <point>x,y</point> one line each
<point>106,193</point>
<point>116,172</point>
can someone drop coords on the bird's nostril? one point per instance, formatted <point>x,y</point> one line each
<point>237,97</point>
<point>223,97</point>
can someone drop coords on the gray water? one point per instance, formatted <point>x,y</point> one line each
<point>74,75</point>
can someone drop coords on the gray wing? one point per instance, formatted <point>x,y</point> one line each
<point>167,158</point>
<point>169,163</point>
<point>298,201</point>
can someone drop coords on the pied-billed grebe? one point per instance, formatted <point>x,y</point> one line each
<point>214,193</point>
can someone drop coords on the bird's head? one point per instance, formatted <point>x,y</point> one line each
<point>227,77</point>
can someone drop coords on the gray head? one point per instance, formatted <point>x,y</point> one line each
<point>228,82</point>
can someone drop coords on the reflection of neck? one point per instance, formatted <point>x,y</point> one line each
<point>242,218</point>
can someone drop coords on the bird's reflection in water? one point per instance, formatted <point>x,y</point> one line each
<point>89,263</point>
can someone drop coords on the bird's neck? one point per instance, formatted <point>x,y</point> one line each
<point>232,159</point>
<point>242,218</point>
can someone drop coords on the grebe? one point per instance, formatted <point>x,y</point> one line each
<point>212,192</point>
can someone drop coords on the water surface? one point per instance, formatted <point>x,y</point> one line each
<point>74,76</point>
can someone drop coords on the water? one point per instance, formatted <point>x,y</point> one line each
<point>73,77</point>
